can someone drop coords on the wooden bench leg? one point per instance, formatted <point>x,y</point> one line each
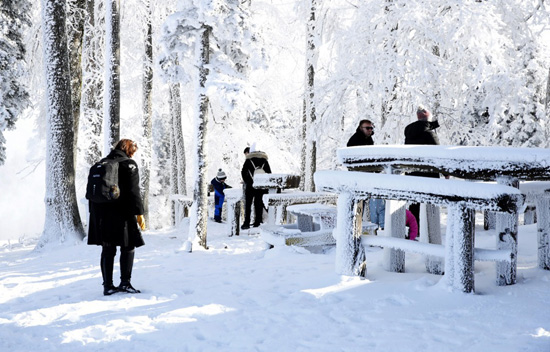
<point>507,234</point>
<point>350,254</point>
<point>395,258</point>
<point>543,230</point>
<point>234,218</point>
<point>459,257</point>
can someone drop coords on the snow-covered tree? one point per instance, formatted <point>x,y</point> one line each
<point>14,98</point>
<point>92,82</point>
<point>62,218</point>
<point>112,76</point>
<point>310,118</point>
<point>209,44</point>
<point>146,149</point>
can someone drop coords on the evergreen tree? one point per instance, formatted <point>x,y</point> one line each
<point>14,98</point>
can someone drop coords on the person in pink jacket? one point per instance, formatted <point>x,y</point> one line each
<point>412,224</point>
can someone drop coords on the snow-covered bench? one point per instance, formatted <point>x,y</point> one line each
<point>313,227</point>
<point>279,202</point>
<point>182,203</point>
<point>460,197</point>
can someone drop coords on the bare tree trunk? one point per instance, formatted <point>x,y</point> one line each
<point>112,84</point>
<point>62,218</point>
<point>198,227</point>
<point>303,154</point>
<point>77,15</point>
<point>147,112</point>
<point>311,145</point>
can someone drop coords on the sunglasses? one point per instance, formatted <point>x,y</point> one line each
<point>368,128</point>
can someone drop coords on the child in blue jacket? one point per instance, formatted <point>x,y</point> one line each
<point>219,185</point>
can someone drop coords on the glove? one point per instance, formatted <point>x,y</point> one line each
<point>141,222</point>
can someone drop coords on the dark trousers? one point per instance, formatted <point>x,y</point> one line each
<point>107,263</point>
<point>252,194</point>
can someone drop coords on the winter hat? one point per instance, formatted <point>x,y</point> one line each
<point>221,175</point>
<point>422,113</point>
<point>253,147</point>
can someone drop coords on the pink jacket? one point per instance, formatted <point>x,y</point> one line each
<point>412,224</point>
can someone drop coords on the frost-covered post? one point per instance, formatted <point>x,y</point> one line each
<point>459,259</point>
<point>62,218</point>
<point>311,60</point>
<point>112,76</point>
<point>395,258</point>
<point>350,254</point>
<point>507,237</point>
<point>543,230</point>
<point>430,216</point>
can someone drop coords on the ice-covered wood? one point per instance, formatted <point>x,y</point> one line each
<point>507,238</point>
<point>479,195</point>
<point>278,202</point>
<point>282,181</point>
<point>481,163</point>
<point>543,230</point>
<point>290,235</point>
<point>350,254</point>
<point>432,234</point>
<point>394,257</point>
<point>324,214</point>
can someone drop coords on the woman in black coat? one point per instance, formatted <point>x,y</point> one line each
<point>116,223</point>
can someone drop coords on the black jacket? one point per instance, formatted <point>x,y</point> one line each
<point>359,138</point>
<point>256,159</point>
<point>115,223</point>
<point>422,132</point>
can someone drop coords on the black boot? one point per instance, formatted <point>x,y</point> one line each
<point>107,263</point>
<point>126,265</point>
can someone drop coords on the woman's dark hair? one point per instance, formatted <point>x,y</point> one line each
<point>128,146</point>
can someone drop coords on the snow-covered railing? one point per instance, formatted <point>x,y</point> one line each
<point>276,181</point>
<point>182,203</point>
<point>461,198</point>
<point>505,165</point>
<point>306,214</point>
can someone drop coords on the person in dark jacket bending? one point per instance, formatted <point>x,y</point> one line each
<point>421,131</point>
<point>363,134</point>
<point>116,223</point>
<point>255,160</point>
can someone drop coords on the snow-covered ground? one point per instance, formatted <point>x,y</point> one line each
<point>237,296</point>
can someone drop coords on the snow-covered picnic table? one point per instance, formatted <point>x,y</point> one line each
<point>505,165</point>
<point>461,198</point>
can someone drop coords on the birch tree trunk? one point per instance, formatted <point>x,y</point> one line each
<point>112,79</point>
<point>199,222</point>
<point>63,222</point>
<point>147,112</point>
<point>75,28</point>
<point>92,86</point>
<point>178,183</point>
<point>311,144</point>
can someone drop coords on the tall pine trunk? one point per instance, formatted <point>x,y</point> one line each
<point>311,140</point>
<point>112,79</point>
<point>147,112</point>
<point>92,84</point>
<point>63,222</point>
<point>198,225</point>
<point>77,15</point>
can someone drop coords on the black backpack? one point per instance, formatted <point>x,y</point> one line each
<point>102,184</point>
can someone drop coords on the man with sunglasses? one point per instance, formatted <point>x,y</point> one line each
<point>363,134</point>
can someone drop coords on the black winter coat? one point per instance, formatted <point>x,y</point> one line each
<point>115,223</point>
<point>422,132</point>
<point>359,138</point>
<point>255,159</point>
